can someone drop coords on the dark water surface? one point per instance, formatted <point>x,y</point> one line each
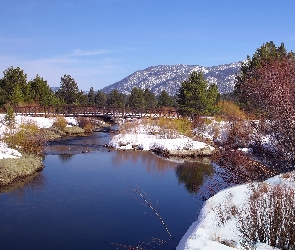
<point>85,200</point>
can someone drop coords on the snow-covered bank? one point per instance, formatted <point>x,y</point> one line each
<point>147,137</point>
<point>41,122</point>
<point>207,233</point>
<point>182,145</point>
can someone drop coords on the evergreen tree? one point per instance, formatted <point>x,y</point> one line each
<point>115,99</point>
<point>164,100</point>
<point>212,99</point>
<point>196,97</point>
<point>17,96</point>
<point>40,92</point>
<point>150,99</point>
<point>100,99</point>
<point>82,98</point>
<point>136,98</point>
<point>91,96</point>
<point>14,78</point>
<point>68,91</point>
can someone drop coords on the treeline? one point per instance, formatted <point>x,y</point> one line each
<point>195,96</point>
<point>16,90</point>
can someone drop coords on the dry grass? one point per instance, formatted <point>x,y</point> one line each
<point>15,169</point>
<point>163,127</point>
<point>75,130</point>
<point>231,112</point>
<point>268,216</point>
<point>60,122</point>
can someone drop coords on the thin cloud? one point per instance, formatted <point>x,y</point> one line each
<point>79,52</point>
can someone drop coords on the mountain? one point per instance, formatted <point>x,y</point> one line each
<point>170,77</point>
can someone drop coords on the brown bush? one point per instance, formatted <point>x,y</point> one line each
<point>85,123</point>
<point>29,139</point>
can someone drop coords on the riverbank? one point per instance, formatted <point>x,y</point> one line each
<point>166,142</point>
<point>221,223</point>
<point>14,165</point>
<point>207,232</point>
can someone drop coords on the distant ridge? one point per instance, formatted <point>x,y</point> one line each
<point>170,77</point>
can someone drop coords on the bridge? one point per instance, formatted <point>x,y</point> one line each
<point>95,111</point>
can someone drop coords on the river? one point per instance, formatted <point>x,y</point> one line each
<point>87,197</point>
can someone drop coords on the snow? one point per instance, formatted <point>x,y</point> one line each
<point>6,152</point>
<point>151,142</point>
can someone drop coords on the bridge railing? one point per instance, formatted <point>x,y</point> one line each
<point>91,110</point>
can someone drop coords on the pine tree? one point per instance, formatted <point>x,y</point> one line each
<point>164,100</point>
<point>100,99</point>
<point>115,99</point>
<point>17,96</point>
<point>150,99</point>
<point>91,96</point>
<point>196,97</point>
<point>136,98</point>
<point>40,92</point>
<point>14,78</point>
<point>68,90</point>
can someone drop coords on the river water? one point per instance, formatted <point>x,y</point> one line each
<point>87,197</point>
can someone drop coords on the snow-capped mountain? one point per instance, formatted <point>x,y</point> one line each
<point>170,77</point>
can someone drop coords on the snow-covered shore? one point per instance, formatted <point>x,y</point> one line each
<point>140,137</point>
<point>41,122</point>
<point>205,233</point>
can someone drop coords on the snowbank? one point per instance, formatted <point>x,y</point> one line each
<point>151,142</point>
<point>41,122</point>
<point>6,152</point>
<point>205,233</point>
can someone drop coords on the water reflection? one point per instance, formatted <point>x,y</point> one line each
<point>149,160</point>
<point>193,174</point>
<point>34,183</point>
<point>64,158</point>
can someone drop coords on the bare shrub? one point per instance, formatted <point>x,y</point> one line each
<point>164,127</point>
<point>240,135</point>
<point>239,168</point>
<point>128,126</point>
<point>269,216</point>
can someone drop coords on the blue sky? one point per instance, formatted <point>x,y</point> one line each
<point>100,42</point>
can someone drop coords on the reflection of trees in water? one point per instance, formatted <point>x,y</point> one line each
<point>193,174</point>
<point>151,161</point>
<point>64,158</point>
<point>35,182</point>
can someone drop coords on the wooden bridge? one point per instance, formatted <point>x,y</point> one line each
<point>95,111</point>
